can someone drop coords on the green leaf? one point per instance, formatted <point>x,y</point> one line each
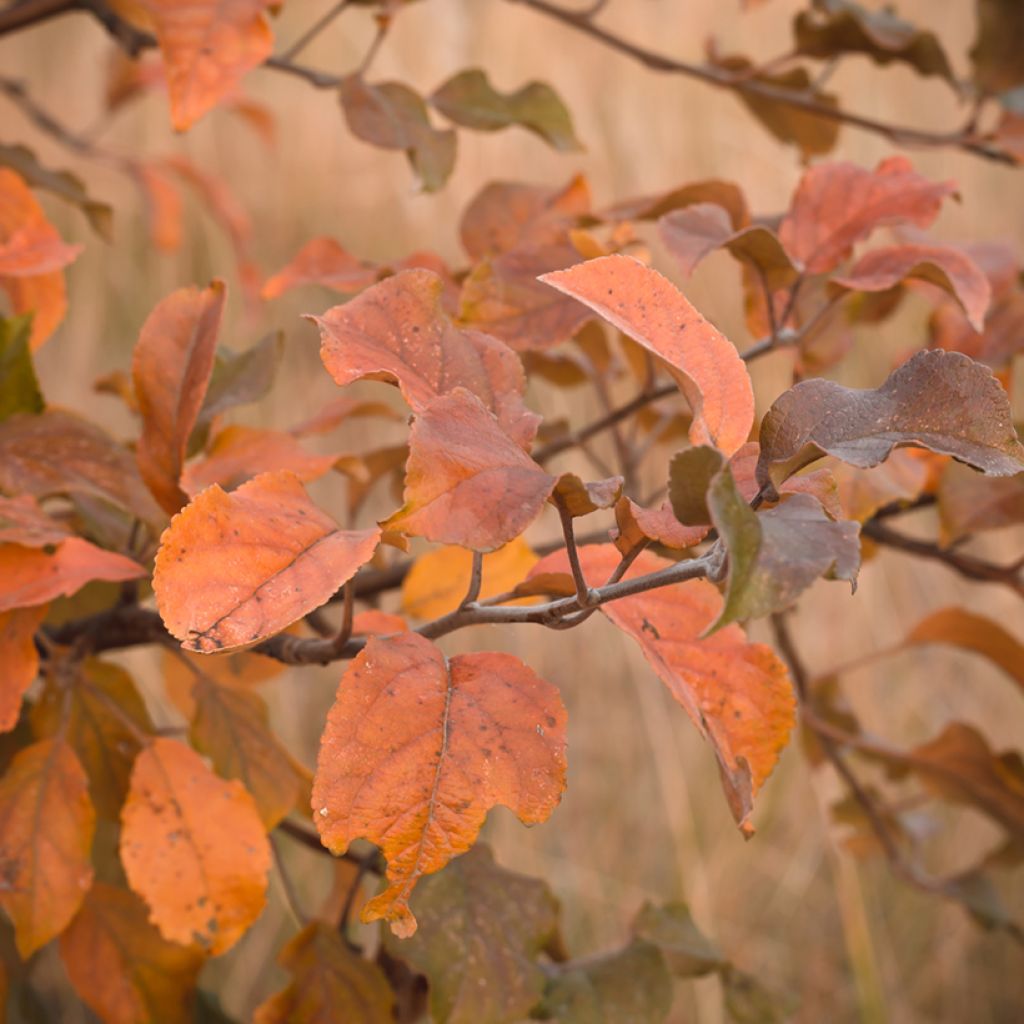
<point>689,476</point>
<point>632,984</point>
<point>19,388</point>
<point>62,184</point>
<point>687,951</point>
<point>470,100</point>
<point>775,555</point>
<point>393,116</point>
<point>480,931</point>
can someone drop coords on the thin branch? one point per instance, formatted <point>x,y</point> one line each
<point>314,30</point>
<point>371,861</point>
<point>582,590</point>
<point>32,12</point>
<point>969,566</point>
<point>766,91</point>
<point>476,579</point>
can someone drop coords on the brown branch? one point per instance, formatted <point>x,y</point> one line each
<point>969,566</point>
<point>32,12</point>
<point>721,79</point>
<point>314,30</point>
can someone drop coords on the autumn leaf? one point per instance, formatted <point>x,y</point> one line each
<point>330,982</point>
<point>32,576</point>
<point>651,310</point>
<point>235,568</point>
<point>164,207</point>
<point>193,847</point>
<point>467,482</point>
<point>946,267</point>
<point>397,330</point>
<point>46,829</point>
<point>726,194</point>
<point>122,968</point>
<point>995,54</point>
<point>969,631</point>
<point>937,400</point>
<point>171,369</point>
<point>969,504</point>
<point>58,452</point>
<point>231,726</point>
<point>630,984</point>
<point>636,524</point>
<point>776,554</point>
<point>418,748</point>
<point>689,477</point>
<point>237,454</point>
<point>481,929</point>
<point>19,659</point>
<point>97,708</point>
<point>22,521</point>
<point>239,378</point>
<point>322,261</point>
<point>838,204</point>
<point>697,230</point>
<point>834,28</point>
<point>32,256</point>
<point>19,387</point>
<point>207,47</point>
<point>439,579</point>
<point>687,951</point>
<point>901,478</point>
<point>470,101</point>
<point>738,694</point>
<point>392,116</point>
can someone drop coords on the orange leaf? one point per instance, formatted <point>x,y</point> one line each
<point>652,310</point>
<point>660,524</point>
<point>376,623</point>
<point>945,266</point>
<point>120,965</point>
<point>330,982</point>
<point>397,330</point>
<point>193,847</point>
<point>163,206</point>
<point>738,694</point>
<point>31,576</point>
<point>237,454</point>
<point>31,255</point>
<point>241,670</point>
<point>438,580</point>
<point>418,748</point>
<point>838,204</point>
<point>467,482</point>
<point>19,659</point>
<point>235,568</point>
<point>324,262</point>
<point>171,370</point>
<point>46,829</point>
<point>207,47</point>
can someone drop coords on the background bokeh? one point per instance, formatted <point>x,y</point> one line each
<point>643,817</point>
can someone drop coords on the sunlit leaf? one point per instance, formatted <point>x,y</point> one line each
<point>19,659</point>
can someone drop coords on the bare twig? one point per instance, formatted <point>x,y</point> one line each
<point>568,532</point>
<point>314,30</point>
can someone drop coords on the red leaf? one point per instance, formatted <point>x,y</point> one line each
<point>837,205</point>
<point>324,262</point>
<point>650,309</point>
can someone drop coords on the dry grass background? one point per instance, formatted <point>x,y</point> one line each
<point>643,816</point>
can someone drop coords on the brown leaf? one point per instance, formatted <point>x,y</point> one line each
<point>58,452</point>
<point>651,310</point>
<point>659,524</point>
<point>837,205</point>
<point>171,369</point>
<point>581,499</point>
<point>45,842</point>
<point>725,194</point>
<point>997,46</point>
<point>398,331</point>
<point>738,694</point>
<point>207,46</point>
<point>937,400</point>
<point>324,262</point>
<point>97,708</point>
<point>418,748</point>
<point>31,576</point>
<point>19,659</point>
<point>330,982</point>
<point>467,482</point>
<point>231,726</point>
<point>392,116</point>
<point>121,967</point>
<point>233,569</point>
<point>23,522</point>
<point>193,848</point>
<point>692,233</point>
<point>945,266</point>
<point>968,504</point>
<point>901,478</point>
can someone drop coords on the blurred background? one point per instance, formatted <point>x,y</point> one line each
<point>643,817</point>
